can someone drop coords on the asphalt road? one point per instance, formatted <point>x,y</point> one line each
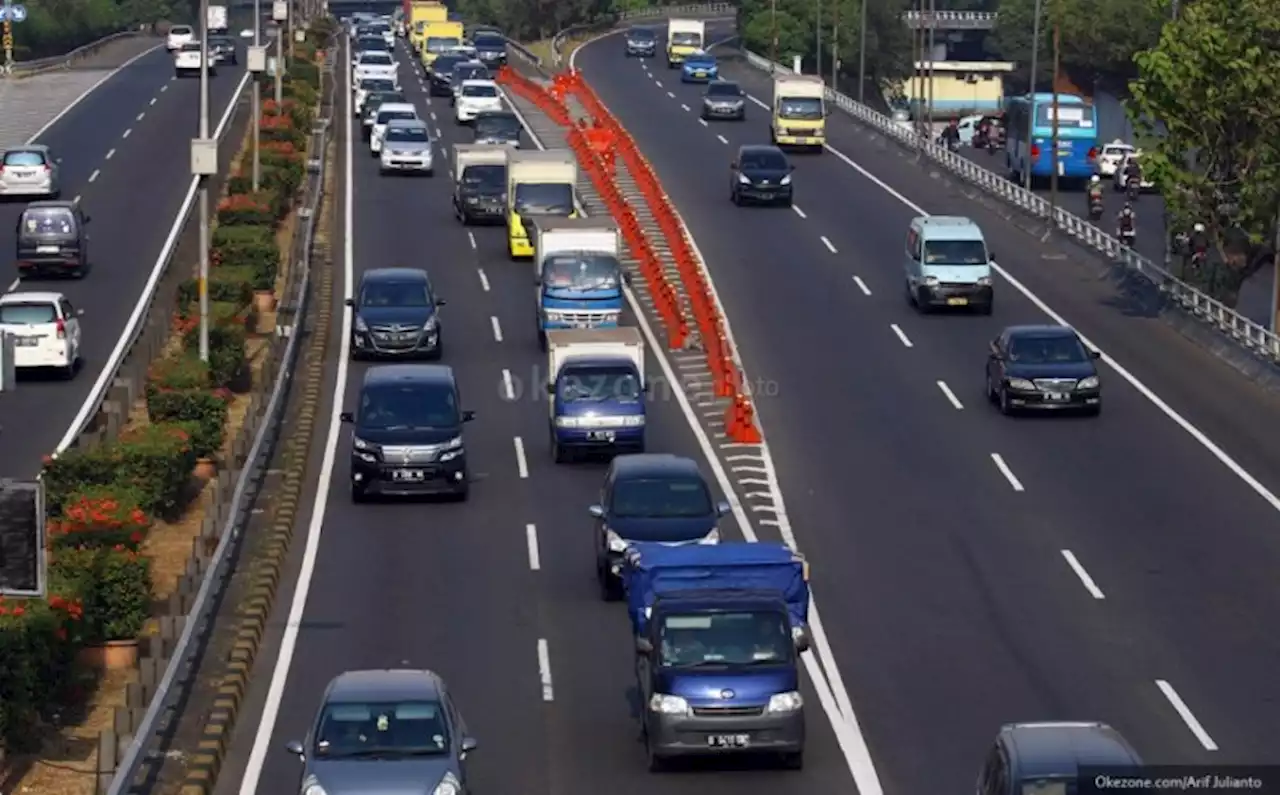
<point>125,152</point>
<point>455,587</point>
<point>975,569</point>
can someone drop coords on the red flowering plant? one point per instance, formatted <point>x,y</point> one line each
<point>282,128</point>
<point>38,640</point>
<point>101,516</point>
<point>246,208</point>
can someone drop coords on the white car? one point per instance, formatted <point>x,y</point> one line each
<point>389,112</point>
<point>1113,154</point>
<point>407,146</point>
<point>468,70</point>
<point>476,97</point>
<point>178,36</point>
<point>370,85</point>
<point>46,329</point>
<point>189,59</point>
<point>1117,178</point>
<point>372,65</point>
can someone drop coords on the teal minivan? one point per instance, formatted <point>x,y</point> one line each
<point>948,264</point>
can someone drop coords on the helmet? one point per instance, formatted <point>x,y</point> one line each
<point>1199,227</point>
<point>1128,208</point>
<point>1095,179</point>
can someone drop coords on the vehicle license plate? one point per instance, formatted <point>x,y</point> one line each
<point>699,74</point>
<point>600,436</point>
<point>26,342</point>
<point>46,249</point>
<point>23,173</point>
<point>957,302</point>
<point>409,475</point>
<point>1058,396</point>
<point>728,740</point>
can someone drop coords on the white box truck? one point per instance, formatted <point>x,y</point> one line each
<point>540,187</point>
<point>597,391</point>
<point>799,114</point>
<point>684,38</point>
<point>215,20</point>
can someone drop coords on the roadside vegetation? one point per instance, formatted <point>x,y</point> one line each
<point>59,27</point>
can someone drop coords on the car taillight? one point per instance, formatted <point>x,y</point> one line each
<point>48,168</point>
<point>1093,153</point>
<point>1035,152</point>
<point>62,329</point>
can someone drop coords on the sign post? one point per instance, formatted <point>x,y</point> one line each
<point>10,13</point>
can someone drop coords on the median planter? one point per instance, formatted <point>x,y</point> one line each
<point>264,301</point>
<point>205,469</point>
<point>114,655</point>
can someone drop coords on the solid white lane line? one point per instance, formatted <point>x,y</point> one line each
<point>484,279</point>
<point>94,175</point>
<point>1007,472</point>
<point>862,285</point>
<point>902,335</point>
<point>531,536</point>
<point>522,466</point>
<point>1085,579</point>
<point>13,286</point>
<point>544,670</point>
<point>508,386</point>
<point>827,243</point>
<point>723,140</point>
<point>951,396</point>
<point>1188,717</point>
<point>497,328</point>
<point>795,208</point>
<point>471,238</point>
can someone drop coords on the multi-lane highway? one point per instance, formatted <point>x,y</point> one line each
<point>125,150</point>
<point>976,569</point>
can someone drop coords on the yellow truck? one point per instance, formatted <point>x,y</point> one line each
<point>684,38</point>
<point>799,111</point>
<point>420,15</point>
<point>540,184</point>
<point>439,37</point>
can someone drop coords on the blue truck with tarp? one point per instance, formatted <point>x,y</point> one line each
<point>719,630</point>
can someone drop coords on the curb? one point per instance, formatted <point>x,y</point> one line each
<point>254,612</point>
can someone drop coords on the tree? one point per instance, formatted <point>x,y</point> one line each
<point>1206,105</point>
<point>888,38</point>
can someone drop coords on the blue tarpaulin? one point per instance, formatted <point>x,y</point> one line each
<point>653,570</point>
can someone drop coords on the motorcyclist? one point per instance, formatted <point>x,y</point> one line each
<point>1095,190</point>
<point>1198,243</point>
<point>1127,221</point>
<point>1132,171</point>
<point>951,135</point>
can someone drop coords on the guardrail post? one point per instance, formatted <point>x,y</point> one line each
<point>105,768</point>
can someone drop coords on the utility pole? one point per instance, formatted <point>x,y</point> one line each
<point>1055,163</point>
<point>835,43</point>
<point>280,15</point>
<point>817,36</point>
<point>8,36</point>
<point>933,11</point>
<point>204,182</point>
<point>862,51</point>
<point>773,17</point>
<point>917,70</point>
<point>256,120</point>
<point>1031,105</point>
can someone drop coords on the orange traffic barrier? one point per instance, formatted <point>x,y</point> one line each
<point>740,421</point>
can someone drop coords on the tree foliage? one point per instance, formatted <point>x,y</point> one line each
<point>1098,37</point>
<point>541,19</point>
<point>53,27</point>
<point>1206,104</point>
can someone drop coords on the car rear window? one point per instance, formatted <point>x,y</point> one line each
<point>375,59</point>
<point>23,159</point>
<point>479,91</point>
<point>48,221</point>
<point>27,313</point>
<point>180,30</point>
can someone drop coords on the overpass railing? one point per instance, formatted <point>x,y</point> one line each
<point>67,60</point>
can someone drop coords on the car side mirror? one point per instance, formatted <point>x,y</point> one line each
<point>79,312</point>
<point>350,302</point>
<point>733,166</point>
<point>1095,354</point>
<point>626,278</point>
<point>644,647</point>
<point>551,388</point>
<point>801,637</point>
<point>597,511</point>
<point>294,747</point>
<point>469,744</point>
<point>88,219</point>
<point>723,508</point>
<point>468,416</point>
<point>346,416</point>
<point>440,302</point>
<point>790,168</point>
<point>991,256</point>
<point>645,387</point>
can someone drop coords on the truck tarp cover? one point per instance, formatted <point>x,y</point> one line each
<point>655,569</point>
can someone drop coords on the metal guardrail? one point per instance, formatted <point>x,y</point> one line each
<point>1227,321</point>
<point>65,61</point>
<point>951,20</point>
<point>203,608</point>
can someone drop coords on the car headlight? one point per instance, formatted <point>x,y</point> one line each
<point>361,444</point>
<point>785,702</point>
<point>742,178</point>
<point>616,542</point>
<point>931,281</point>
<point>1088,383</point>
<point>668,705</point>
<point>568,422</point>
<point>711,538</point>
<point>1021,383</point>
<point>430,325</point>
<point>448,785</point>
<point>453,444</point>
<point>312,787</point>
<point>360,325</point>
<point>785,180</point>
<point>984,281</point>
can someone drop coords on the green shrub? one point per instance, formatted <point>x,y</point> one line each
<point>38,640</point>
<point>231,284</point>
<point>175,400</point>
<point>156,460</point>
<point>226,351</point>
<point>304,72</point>
<point>305,95</point>
<point>245,208</point>
<point>114,586</point>
<point>101,516</point>
<point>239,183</point>
<point>285,181</point>
<point>248,245</point>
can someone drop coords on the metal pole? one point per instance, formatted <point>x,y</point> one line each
<point>917,72</point>
<point>1055,164</point>
<point>817,37</point>
<point>256,121</point>
<point>204,183</point>
<point>862,53</point>
<point>279,63</point>
<point>289,22</point>
<point>773,16</point>
<point>835,43</point>
<point>1031,106</point>
<point>8,37</point>
<point>933,10</point>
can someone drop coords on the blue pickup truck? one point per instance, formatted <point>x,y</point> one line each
<point>579,278</point>
<point>719,630</point>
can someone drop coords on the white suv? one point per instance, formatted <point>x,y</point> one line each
<point>46,329</point>
<point>476,97</point>
<point>178,36</point>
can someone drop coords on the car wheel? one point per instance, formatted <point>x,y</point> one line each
<point>558,454</point>
<point>438,353</point>
<point>793,761</point>
<point>734,197</point>
<point>463,492</point>
<point>987,308</point>
<point>1003,398</point>
<point>358,494</point>
<point>988,389</point>
<point>68,370</point>
<point>786,202</point>
<point>1093,411</point>
<point>657,763</point>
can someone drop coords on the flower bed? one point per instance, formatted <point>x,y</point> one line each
<point>103,502</point>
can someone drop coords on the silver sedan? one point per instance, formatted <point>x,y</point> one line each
<point>407,146</point>
<point>29,171</point>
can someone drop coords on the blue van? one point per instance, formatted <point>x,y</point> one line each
<point>948,264</point>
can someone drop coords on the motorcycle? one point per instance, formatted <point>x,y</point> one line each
<point>1096,208</point>
<point>993,146</point>
<point>1127,237</point>
<point>1133,186</point>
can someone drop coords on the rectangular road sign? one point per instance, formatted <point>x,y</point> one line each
<point>23,564</point>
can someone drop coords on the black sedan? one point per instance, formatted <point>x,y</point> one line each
<point>760,174</point>
<point>1043,368</point>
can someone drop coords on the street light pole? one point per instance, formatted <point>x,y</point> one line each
<point>204,183</point>
<point>773,17</point>
<point>835,43</point>
<point>862,53</point>
<point>1031,106</point>
<point>817,37</point>
<point>933,27</point>
<point>280,33</point>
<point>1054,162</point>
<point>256,119</point>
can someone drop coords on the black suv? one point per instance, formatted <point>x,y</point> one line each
<point>1034,757</point>
<point>496,127</point>
<point>761,174</point>
<point>396,315</point>
<point>442,74</point>
<point>407,435</point>
<point>481,194</point>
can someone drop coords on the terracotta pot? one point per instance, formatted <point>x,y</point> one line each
<point>264,300</point>
<point>114,655</point>
<point>205,469</point>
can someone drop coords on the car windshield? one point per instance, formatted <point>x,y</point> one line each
<point>479,91</point>
<point>501,125</point>
<point>48,221</point>
<point>724,90</point>
<point>544,199</point>
<point>23,158</point>
<point>764,161</point>
<point>955,252</point>
<point>385,116</point>
<point>404,728</point>
<point>580,272</point>
<point>686,39</point>
<point>390,293</point>
<point>470,72</point>
<point>416,135</point>
<point>800,108</point>
<point>27,313</point>
<point>375,59</point>
<point>398,407</point>
<point>485,175</point>
<point>700,61</point>
<point>190,47</point>
<point>441,43</point>
<point>1049,786</point>
<point>378,84</point>
<point>378,99</point>
<point>1115,149</point>
<point>489,42</point>
<point>370,44</point>
<point>445,63</point>
<point>600,384</point>
<point>661,498</point>
<point>641,34</point>
<point>1047,349</point>
<point>715,639</point>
